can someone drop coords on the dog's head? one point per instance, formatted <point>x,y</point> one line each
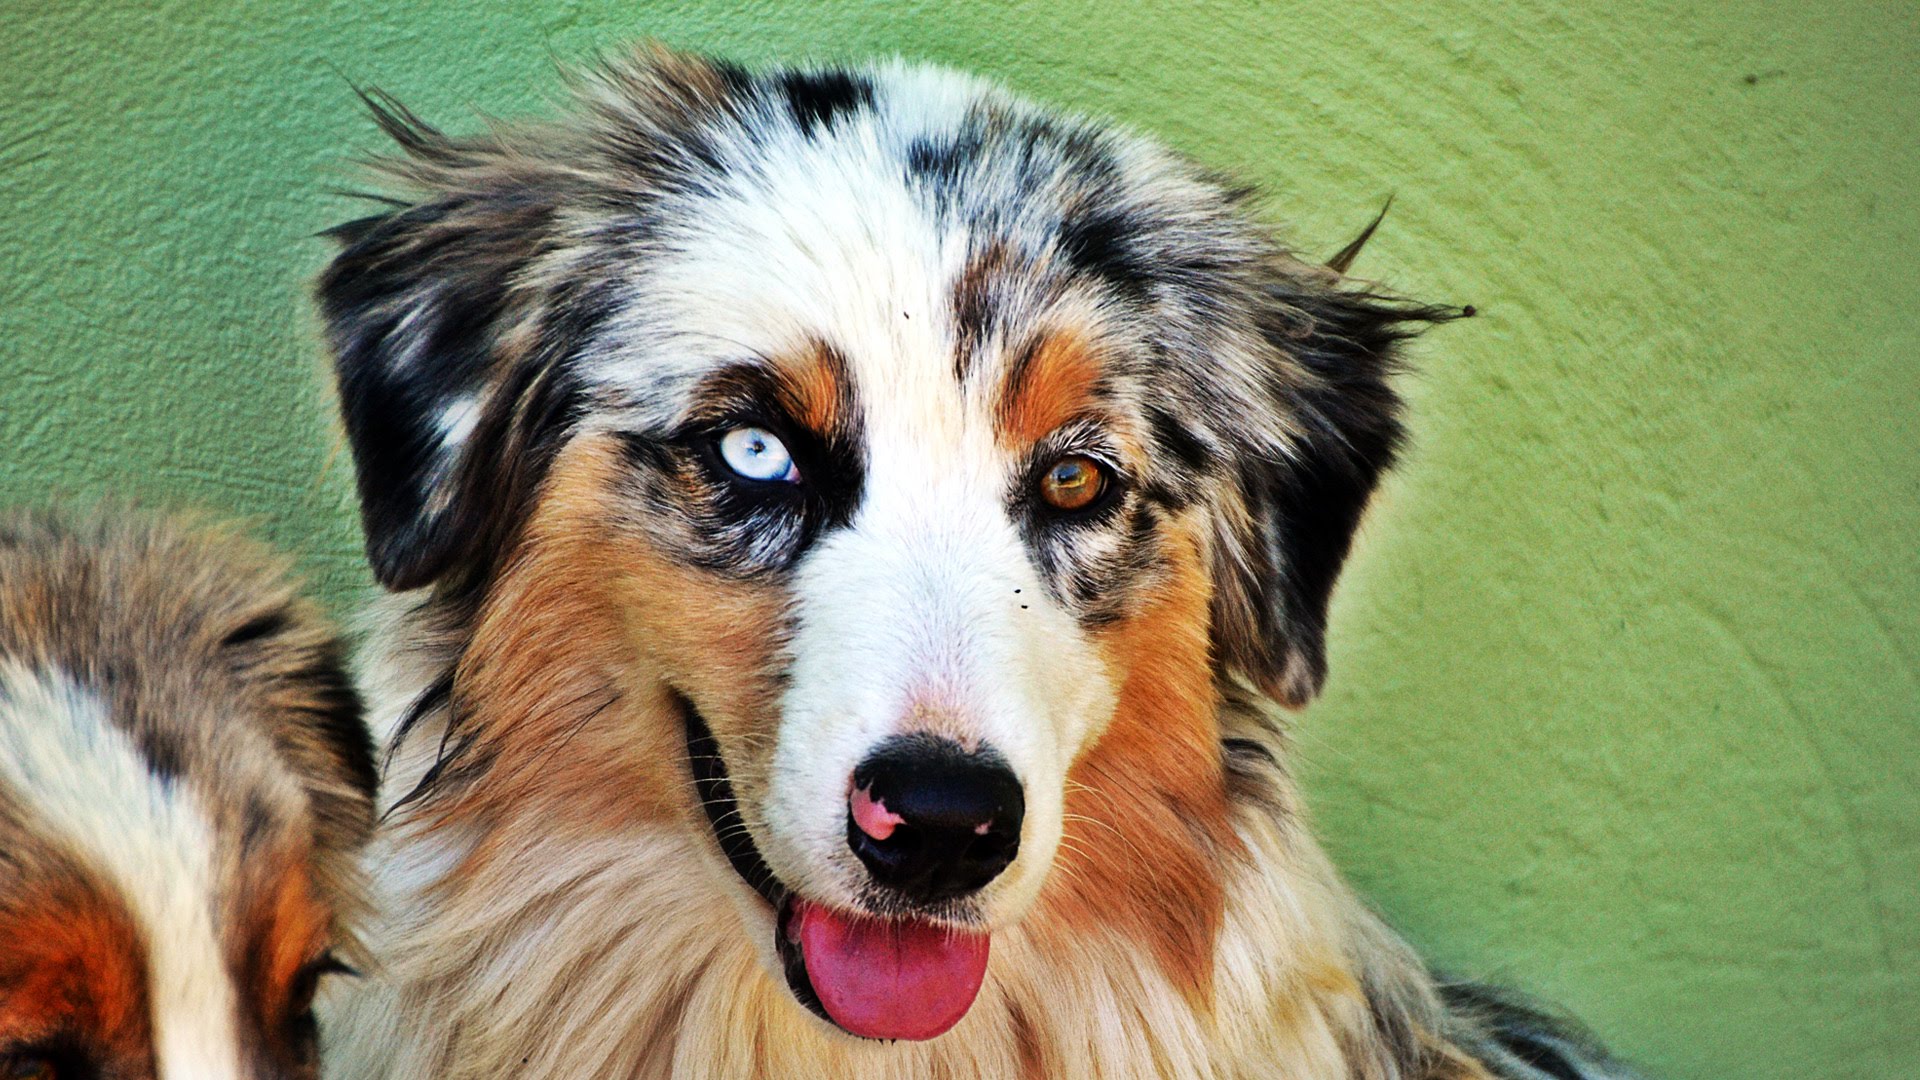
<point>185,784</point>
<point>933,459</point>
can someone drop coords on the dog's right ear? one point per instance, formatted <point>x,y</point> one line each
<point>1333,348</point>
<point>441,350</point>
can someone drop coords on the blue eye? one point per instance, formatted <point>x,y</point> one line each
<point>758,454</point>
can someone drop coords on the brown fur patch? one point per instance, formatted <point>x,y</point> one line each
<point>1027,1042</point>
<point>543,662</point>
<point>73,966</point>
<point>973,303</point>
<point>1051,383</point>
<point>1147,824</point>
<point>819,391</point>
<point>285,927</point>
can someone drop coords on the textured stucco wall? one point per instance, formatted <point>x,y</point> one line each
<point>1626,693</point>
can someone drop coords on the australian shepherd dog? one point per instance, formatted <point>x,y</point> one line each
<point>185,782</point>
<point>849,529</point>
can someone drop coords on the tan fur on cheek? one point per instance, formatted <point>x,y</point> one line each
<point>73,963</point>
<point>587,630</point>
<point>716,641</point>
<point>544,688</point>
<point>1147,825</point>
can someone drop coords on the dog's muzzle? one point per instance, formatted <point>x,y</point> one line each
<point>932,824</point>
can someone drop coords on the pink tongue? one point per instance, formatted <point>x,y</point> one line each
<point>888,978</point>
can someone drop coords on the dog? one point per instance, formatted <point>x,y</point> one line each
<point>848,529</point>
<point>186,780</point>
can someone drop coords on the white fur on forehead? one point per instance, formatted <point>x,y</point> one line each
<point>795,239</point>
<point>805,233</point>
<point>796,235</point>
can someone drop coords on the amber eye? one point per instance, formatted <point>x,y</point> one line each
<point>1073,483</point>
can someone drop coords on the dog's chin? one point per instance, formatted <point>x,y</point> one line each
<point>897,975</point>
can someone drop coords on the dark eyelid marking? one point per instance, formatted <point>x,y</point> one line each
<point>743,394</point>
<point>1087,435</point>
<point>809,392</point>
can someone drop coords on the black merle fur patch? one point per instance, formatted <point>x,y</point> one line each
<point>1100,243</point>
<point>412,310</point>
<point>1518,1039</point>
<point>820,98</point>
<point>164,751</point>
<point>336,716</point>
<point>1174,437</point>
<point>942,163</point>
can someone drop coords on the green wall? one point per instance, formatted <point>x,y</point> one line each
<point>1626,693</point>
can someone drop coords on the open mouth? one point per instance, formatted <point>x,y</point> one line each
<point>878,978</point>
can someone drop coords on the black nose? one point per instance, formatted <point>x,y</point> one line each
<point>932,819</point>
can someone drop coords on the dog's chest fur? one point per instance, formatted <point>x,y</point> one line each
<point>621,954</point>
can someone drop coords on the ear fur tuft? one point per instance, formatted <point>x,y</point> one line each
<point>1344,258</point>
<point>1334,353</point>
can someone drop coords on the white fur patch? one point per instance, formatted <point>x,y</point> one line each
<point>457,420</point>
<point>83,776</point>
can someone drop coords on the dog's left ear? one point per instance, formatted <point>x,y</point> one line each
<point>454,317</point>
<point>1332,352</point>
<point>442,331</point>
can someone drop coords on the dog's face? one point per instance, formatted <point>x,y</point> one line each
<point>901,442</point>
<point>185,781</point>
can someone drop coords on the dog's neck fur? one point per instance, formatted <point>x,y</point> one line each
<point>631,954</point>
